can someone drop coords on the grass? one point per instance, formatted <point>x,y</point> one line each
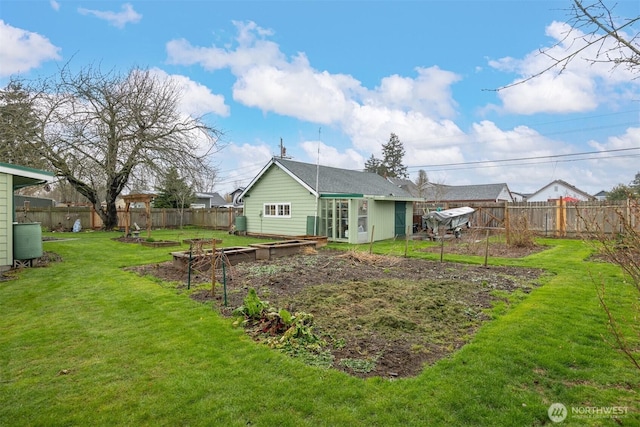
<point>84,342</point>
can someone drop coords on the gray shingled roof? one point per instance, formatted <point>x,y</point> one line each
<point>406,184</point>
<point>464,192</point>
<point>215,199</point>
<point>342,181</point>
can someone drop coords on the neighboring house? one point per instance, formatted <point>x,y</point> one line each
<point>292,198</point>
<point>559,188</point>
<point>601,195</point>
<point>12,178</point>
<point>236,198</point>
<point>208,200</point>
<point>519,197</point>
<point>32,202</point>
<point>438,193</point>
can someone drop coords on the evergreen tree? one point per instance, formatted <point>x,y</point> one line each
<point>174,192</point>
<point>18,124</point>
<point>391,163</point>
<point>621,192</point>
<point>374,165</point>
<point>392,155</point>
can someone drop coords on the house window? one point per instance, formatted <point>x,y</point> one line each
<point>362,215</point>
<point>279,210</point>
<point>334,218</point>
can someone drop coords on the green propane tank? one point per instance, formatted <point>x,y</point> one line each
<point>27,240</point>
<point>241,223</point>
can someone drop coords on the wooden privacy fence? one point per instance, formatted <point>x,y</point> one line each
<point>554,219</point>
<point>54,218</point>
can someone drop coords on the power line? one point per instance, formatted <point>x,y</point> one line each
<point>549,159</point>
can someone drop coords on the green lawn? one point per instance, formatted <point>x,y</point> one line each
<point>84,342</point>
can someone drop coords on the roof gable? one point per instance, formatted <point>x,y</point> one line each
<point>330,180</point>
<point>478,192</point>
<point>564,184</point>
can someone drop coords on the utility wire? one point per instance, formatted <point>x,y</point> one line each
<point>491,163</point>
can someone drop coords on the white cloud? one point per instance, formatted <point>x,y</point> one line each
<point>522,140</point>
<point>415,108</point>
<point>303,93</point>
<point>249,159</point>
<point>196,99</point>
<point>567,93</point>
<point>331,156</point>
<point>252,51</point>
<point>429,93</point>
<point>54,5</point>
<point>117,19</point>
<point>371,126</point>
<point>22,50</point>
<point>581,86</point>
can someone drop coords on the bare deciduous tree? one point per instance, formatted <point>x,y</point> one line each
<point>100,130</point>
<point>623,249</point>
<point>595,35</point>
<point>421,181</point>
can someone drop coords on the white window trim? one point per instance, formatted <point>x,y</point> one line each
<point>278,207</point>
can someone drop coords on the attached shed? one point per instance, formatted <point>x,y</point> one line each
<point>12,178</point>
<point>293,198</point>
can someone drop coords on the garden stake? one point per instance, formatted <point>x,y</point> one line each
<point>441,244</point>
<point>213,267</point>
<point>373,228</point>
<point>406,242</point>
<point>189,268</point>
<point>486,249</point>
<point>224,278</point>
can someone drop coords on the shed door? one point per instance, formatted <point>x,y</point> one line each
<point>401,219</point>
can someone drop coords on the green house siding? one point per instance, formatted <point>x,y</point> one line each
<point>382,216</point>
<point>6,220</point>
<point>276,187</point>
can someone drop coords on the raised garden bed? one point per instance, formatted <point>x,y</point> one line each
<point>320,240</point>
<point>202,260</point>
<point>282,248</point>
<point>201,241</point>
<point>159,243</point>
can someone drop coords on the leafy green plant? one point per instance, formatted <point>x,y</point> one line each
<point>280,329</point>
<point>251,309</point>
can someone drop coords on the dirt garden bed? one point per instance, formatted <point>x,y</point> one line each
<point>378,315</point>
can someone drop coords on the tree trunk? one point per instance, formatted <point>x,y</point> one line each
<point>110,219</point>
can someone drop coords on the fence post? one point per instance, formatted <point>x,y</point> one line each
<point>507,222</point>
<point>561,218</point>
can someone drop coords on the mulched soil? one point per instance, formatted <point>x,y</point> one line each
<point>46,259</point>
<point>401,343</point>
